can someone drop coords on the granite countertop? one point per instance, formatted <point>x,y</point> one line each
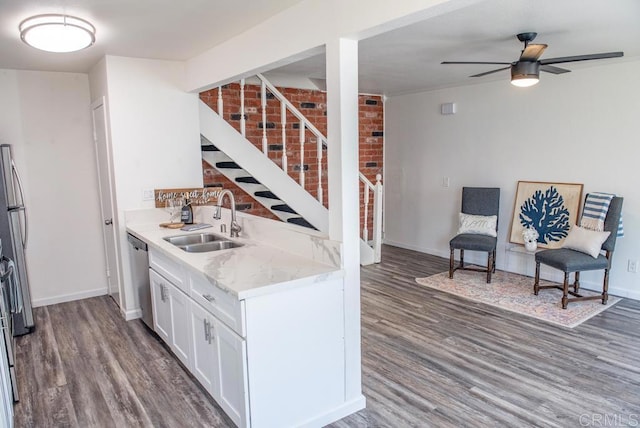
<point>251,270</point>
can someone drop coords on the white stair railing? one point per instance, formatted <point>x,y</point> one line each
<point>375,241</point>
<point>305,125</point>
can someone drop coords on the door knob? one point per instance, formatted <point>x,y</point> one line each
<point>108,221</point>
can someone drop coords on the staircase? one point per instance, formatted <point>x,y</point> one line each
<point>243,179</point>
<point>269,181</point>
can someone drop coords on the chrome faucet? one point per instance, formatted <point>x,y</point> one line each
<point>217,214</point>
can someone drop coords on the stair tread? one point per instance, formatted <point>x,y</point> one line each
<point>228,164</point>
<point>266,194</point>
<point>301,222</point>
<point>283,207</point>
<point>247,179</point>
<point>209,148</point>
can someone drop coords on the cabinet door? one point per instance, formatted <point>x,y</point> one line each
<point>180,325</point>
<point>232,372</point>
<point>161,306</point>
<point>205,353</point>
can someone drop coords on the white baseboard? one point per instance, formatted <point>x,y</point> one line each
<point>69,297</point>
<point>432,251</point>
<point>477,258</point>
<point>338,413</point>
<point>131,314</point>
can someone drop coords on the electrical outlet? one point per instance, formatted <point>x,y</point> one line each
<point>148,195</point>
<point>632,266</point>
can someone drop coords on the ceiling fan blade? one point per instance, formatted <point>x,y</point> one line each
<point>532,52</point>
<point>581,58</point>
<point>491,72</point>
<point>473,62</point>
<point>554,70</point>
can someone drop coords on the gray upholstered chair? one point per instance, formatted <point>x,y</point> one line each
<point>568,261</point>
<point>484,201</point>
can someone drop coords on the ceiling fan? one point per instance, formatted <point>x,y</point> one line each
<point>526,70</point>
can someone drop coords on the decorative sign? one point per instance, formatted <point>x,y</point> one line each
<point>197,196</point>
<point>548,208</point>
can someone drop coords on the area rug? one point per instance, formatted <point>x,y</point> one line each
<point>513,292</point>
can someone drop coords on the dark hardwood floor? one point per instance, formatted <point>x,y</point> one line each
<point>429,360</point>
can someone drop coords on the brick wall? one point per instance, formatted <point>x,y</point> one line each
<point>312,104</point>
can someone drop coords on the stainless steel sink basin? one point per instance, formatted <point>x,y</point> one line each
<point>209,246</point>
<point>201,242</point>
<point>194,238</point>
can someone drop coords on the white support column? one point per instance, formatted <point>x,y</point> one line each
<point>344,218</point>
<point>243,124</point>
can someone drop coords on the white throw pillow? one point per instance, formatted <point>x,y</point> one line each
<point>585,240</point>
<point>478,224</point>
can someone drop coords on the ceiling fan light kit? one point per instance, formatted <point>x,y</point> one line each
<point>526,70</point>
<point>57,33</point>
<point>525,73</point>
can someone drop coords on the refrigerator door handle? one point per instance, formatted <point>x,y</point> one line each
<point>25,235</point>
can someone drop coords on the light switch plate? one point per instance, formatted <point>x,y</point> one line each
<point>148,195</point>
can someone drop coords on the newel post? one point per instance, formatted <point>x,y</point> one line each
<point>377,219</point>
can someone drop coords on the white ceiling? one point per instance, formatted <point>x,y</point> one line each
<point>408,59</point>
<point>401,61</point>
<point>158,29</point>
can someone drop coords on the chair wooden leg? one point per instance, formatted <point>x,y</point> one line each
<point>576,283</point>
<point>605,287</point>
<point>536,283</point>
<point>461,258</point>
<point>494,261</point>
<point>489,266</point>
<point>565,291</point>
<point>451,263</point>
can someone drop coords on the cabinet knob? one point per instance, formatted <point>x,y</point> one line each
<point>108,221</point>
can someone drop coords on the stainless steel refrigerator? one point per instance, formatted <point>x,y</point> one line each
<point>14,232</point>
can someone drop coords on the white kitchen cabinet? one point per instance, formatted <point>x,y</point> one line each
<point>205,351</point>
<point>161,306</point>
<point>180,326</point>
<point>232,373</point>
<point>219,357</point>
<point>171,316</point>
<point>270,359</point>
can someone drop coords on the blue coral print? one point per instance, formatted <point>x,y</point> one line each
<point>546,213</point>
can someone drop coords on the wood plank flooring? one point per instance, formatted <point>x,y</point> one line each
<point>429,360</point>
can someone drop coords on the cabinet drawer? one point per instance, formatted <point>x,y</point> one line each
<point>225,306</point>
<point>171,270</point>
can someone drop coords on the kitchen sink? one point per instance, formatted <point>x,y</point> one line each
<point>201,242</point>
<point>194,238</point>
<point>210,246</point>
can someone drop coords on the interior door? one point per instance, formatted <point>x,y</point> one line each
<point>105,174</point>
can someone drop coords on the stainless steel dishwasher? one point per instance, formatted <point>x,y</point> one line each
<point>139,258</point>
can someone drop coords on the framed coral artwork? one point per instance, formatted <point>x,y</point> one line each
<point>549,208</point>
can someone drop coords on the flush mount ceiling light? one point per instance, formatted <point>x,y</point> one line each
<point>57,33</point>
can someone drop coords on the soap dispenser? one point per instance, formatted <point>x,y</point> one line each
<point>187,213</point>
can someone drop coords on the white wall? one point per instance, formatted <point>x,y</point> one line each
<point>45,116</point>
<point>291,35</point>
<point>155,137</point>
<point>579,127</point>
